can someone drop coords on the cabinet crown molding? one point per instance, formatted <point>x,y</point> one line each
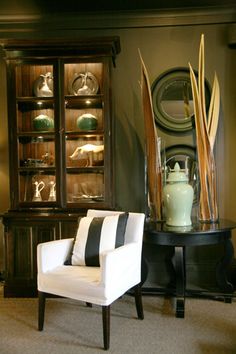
<point>43,24</point>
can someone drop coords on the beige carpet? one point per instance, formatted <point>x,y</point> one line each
<point>72,328</point>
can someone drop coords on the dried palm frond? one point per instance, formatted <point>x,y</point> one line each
<point>205,135</point>
<point>154,171</point>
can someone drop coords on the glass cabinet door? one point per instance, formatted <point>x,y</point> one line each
<point>85,145</point>
<point>35,130</point>
<point>62,133</point>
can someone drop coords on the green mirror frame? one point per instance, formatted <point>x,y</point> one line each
<point>172,100</point>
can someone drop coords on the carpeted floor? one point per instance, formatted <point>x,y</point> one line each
<point>72,328</point>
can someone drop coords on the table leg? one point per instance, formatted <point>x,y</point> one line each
<point>179,260</point>
<point>222,267</point>
<point>170,268</point>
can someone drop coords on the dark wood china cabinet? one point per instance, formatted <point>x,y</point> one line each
<point>60,143</point>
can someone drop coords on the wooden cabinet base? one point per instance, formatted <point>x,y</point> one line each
<point>22,233</point>
<point>20,290</point>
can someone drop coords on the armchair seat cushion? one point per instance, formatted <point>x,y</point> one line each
<point>75,282</point>
<point>98,285</point>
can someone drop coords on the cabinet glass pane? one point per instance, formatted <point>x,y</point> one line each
<point>84,99</point>
<point>35,116</point>
<point>85,187</point>
<point>34,80</point>
<point>84,119</point>
<point>36,151</point>
<point>37,186</point>
<point>83,79</point>
<point>84,151</point>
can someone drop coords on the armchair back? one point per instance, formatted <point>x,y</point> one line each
<point>134,228</point>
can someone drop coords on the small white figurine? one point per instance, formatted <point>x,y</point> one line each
<point>89,149</point>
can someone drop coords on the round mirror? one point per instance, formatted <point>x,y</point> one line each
<point>173,101</point>
<point>177,101</point>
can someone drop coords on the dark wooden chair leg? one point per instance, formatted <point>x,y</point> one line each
<point>106,326</point>
<point>41,309</point>
<point>138,301</point>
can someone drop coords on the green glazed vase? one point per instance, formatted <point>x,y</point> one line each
<point>43,122</point>
<point>87,121</point>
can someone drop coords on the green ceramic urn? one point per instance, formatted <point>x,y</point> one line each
<point>43,122</point>
<point>178,198</point>
<point>87,121</point>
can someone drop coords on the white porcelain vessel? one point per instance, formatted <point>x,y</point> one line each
<point>178,198</point>
<point>39,186</point>
<point>52,192</point>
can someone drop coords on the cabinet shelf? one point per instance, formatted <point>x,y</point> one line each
<point>88,101</point>
<point>36,169</point>
<point>71,135</point>
<point>26,136</point>
<point>37,103</point>
<point>89,169</point>
<point>26,104</point>
<point>33,99</point>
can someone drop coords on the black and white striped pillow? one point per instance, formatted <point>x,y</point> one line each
<point>96,235</point>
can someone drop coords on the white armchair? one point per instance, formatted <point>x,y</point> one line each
<point>119,271</point>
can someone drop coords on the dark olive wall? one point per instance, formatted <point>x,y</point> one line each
<point>164,48</point>
<point>164,44</point>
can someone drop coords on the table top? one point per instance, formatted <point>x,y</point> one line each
<point>199,233</point>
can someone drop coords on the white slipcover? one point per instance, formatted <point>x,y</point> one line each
<point>120,269</point>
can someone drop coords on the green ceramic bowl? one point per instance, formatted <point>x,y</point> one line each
<point>87,121</point>
<point>43,122</point>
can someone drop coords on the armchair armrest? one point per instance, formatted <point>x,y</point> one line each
<point>122,263</point>
<point>53,253</point>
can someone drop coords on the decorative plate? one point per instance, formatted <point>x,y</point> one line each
<point>43,85</point>
<point>83,84</point>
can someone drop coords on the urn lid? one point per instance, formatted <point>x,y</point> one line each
<point>177,175</point>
